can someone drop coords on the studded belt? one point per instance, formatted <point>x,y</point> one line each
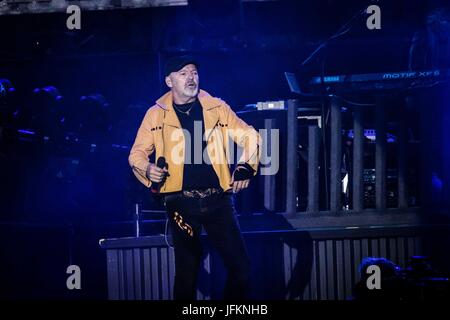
<point>201,193</point>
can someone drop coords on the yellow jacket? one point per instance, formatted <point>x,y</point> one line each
<point>161,132</point>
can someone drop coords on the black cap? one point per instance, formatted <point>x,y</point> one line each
<point>176,63</point>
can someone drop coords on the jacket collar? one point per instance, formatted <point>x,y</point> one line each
<point>207,102</point>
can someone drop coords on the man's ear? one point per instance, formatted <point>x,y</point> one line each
<point>168,82</point>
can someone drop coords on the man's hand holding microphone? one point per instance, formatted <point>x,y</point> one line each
<point>156,173</point>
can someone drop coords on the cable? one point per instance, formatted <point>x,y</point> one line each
<point>324,137</point>
<point>165,233</point>
<point>342,30</point>
<point>324,142</point>
<point>430,85</point>
<point>334,36</point>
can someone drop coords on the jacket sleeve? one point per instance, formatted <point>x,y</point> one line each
<point>245,136</point>
<point>142,148</point>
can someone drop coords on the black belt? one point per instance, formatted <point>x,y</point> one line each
<point>195,194</point>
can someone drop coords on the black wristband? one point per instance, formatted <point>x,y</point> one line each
<point>243,171</point>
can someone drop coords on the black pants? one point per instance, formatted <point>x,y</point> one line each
<point>216,214</point>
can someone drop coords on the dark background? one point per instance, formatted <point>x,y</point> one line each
<point>59,197</point>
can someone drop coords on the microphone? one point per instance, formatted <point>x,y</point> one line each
<point>160,163</point>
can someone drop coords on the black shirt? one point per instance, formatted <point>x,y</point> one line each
<point>197,173</point>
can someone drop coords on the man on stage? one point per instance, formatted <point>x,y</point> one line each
<point>189,131</point>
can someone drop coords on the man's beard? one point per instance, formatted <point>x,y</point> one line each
<point>191,92</point>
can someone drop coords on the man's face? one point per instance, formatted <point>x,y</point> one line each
<point>184,82</point>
